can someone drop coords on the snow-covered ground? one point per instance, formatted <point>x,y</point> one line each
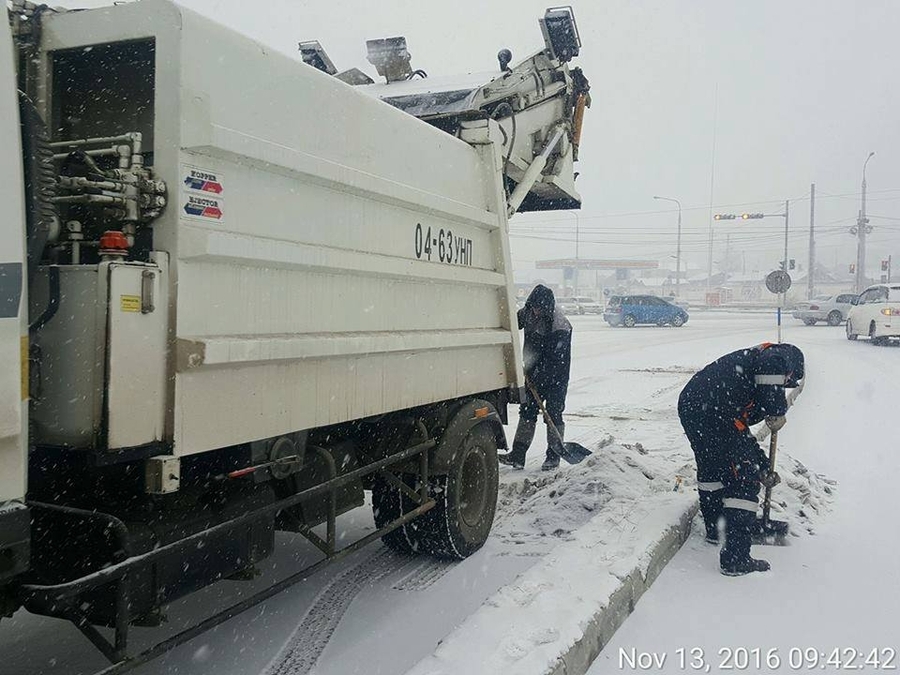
<point>377,612</point>
<point>839,589</point>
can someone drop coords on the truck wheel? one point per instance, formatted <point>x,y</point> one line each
<point>628,321</point>
<point>834,318</point>
<point>466,497</point>
<point>388,504</point>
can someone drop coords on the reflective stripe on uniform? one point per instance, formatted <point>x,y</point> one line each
<point>770,379</point>
<point>743,504</point>
<point>711,487</point>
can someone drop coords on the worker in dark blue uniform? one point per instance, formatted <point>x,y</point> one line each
<point>547,354</point>
<point>717,407</point>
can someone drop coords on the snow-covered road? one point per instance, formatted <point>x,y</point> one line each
<point>837,590</point>
<point>376,612</point>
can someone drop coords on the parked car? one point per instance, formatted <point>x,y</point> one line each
<point>568,305</point>
<point>629,310</point>
<point>876,313</point>
<point>830,308</point>
<point>588,305</point>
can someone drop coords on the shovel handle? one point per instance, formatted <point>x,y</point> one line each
<point>767,500</point>
<point>547,420</point>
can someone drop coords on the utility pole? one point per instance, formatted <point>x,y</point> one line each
<point>712,190</point>
<point>678,246</point>
<point>577,263</point>
<point>862,225</point>
<point>727,265</point>
<point>787,205</point>
<point>811,272</point>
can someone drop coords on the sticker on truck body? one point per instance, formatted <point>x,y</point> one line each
<point>130,303</point>
<point>203,208</point>
<point>202,194</point>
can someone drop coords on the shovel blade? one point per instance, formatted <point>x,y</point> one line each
<point>771,532</point>
<point>571,452</point>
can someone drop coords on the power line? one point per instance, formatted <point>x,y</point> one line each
<point>629,214</point>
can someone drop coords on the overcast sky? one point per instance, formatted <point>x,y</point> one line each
<point>806,89</point>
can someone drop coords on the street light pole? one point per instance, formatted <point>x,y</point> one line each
<point>575,213</point>
<point>861,226</point>
<point>678,247</point>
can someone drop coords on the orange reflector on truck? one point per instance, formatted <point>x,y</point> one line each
<point>482,412</point>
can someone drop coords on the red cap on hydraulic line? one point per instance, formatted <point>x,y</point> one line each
<point>113,245</point>
<point>114,241</point>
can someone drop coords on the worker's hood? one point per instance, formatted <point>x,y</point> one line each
<point>541,299</point>
<point>794,358</point>
<point>793,361</point>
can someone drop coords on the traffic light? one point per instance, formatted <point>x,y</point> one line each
<point>781,265</point>
<point>752,216</point>
<point>724,216</point>
<point>884,265</point>
<point>852,268</point>
<point>792,263</point>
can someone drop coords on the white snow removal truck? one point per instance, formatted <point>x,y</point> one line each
<point>240,289</point>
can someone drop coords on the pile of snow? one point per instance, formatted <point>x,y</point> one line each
<point>802,498</point>
<point>597,524</point>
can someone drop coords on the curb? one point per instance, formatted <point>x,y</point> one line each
<point>607,620</point>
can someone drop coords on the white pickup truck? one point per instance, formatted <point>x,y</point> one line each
<point>238,290</point>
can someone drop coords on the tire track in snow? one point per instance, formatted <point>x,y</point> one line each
<point>425,574</point>
<point>302,650</point>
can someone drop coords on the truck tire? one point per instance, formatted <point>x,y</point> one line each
<point>460,522</point>
<point>388,504</point>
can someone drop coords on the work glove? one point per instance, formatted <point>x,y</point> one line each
<point>769,479</point>
<point>775,422</point>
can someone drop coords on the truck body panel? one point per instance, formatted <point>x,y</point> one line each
<point>305,288</point>
<point>13,289</point>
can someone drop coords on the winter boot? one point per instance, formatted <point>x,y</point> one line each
<point>711,510</point>
<point>551,461</point>
<point>521,442</point>
<point>734,558</point>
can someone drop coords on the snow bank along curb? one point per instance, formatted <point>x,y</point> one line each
<point>555,617</point>
<point>606,621</point>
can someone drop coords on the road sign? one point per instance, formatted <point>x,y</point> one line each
<point>778,281</point>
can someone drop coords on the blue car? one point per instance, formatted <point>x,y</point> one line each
<point>630,310</point>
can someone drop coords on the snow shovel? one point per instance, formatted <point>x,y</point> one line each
<point>569,451</point>
<point>767,528</point>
